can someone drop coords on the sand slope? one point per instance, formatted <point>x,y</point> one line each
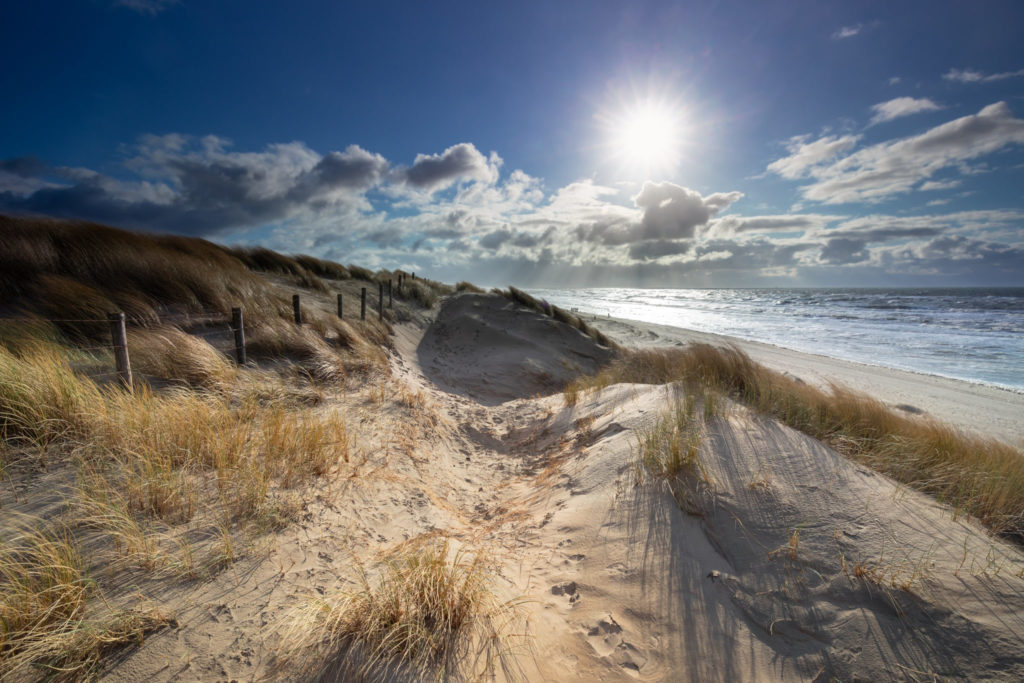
<point>494,350</point>
<point>631,585</point>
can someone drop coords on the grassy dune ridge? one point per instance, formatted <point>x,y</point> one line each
<point>975,475</point>
<point>182,477</point>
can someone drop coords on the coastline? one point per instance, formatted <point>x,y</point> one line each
<point>979,408</point>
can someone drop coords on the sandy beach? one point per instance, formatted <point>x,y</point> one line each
<point>983,409</point>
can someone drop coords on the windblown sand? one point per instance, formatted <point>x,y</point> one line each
<point>789,562</point>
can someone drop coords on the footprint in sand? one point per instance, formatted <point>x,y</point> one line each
<point>569,590</point>
<point>607,638</point>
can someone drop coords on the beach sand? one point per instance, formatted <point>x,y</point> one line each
<point>782,561</point>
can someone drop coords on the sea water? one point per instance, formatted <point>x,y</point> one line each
<point>975,335</point>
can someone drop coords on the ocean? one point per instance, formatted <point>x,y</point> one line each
<point>973,334</point>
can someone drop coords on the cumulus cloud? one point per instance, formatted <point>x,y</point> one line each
<point>973,76</point>
<point>901,106</point>
<point>674,212</point>
<point>889,168</point>
<point>432,172</point>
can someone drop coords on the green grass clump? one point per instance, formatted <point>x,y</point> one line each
<point>671,445</point>
<point>980,476</point>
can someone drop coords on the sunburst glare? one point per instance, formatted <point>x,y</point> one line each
<point>646,137</point>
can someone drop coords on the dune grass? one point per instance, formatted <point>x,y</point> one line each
<point>49,628</point>
<point>559,314</point>
<point>975,475</point>
<point>213,451</point>
<point>431,614</point>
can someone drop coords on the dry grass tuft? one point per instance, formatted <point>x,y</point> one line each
<point>431,614</point>
<point>46,628</point>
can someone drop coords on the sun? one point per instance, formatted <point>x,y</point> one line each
<point>646,136</point>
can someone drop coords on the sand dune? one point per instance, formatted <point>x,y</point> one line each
<point>784,562</point>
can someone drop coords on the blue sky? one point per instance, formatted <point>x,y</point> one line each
<point>541,144</point>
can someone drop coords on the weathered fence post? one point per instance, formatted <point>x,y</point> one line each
<point>120,343</point>
<point>340,315</point>
<point>296,309</point>
<point>362,304</point>
<point>236,325</point>
<point>391,298</point>
<point>380,301</point>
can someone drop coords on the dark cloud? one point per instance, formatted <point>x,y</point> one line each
<point>201,192</point>
<point>842,251</point>
<point>495,238</point>
<point>675,212</point>
<point>435,171</point>
<point>24,167</point>
<point>648,251</point>
<point>353,169</point>
<point>524,240</point>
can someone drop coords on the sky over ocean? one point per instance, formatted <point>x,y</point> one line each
<point>569,144</point>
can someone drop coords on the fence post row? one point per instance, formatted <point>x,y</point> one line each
<point>380,301</point>
<point>120,343</point>
<point>340,315</point>
<point>362,304</point>
<point>296,309</point>
<point>239,329</point>
<point>391,299</point>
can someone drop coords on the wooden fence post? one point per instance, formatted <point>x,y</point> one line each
<point>391,298</point>
<point>239,329</point>
<point>296,309</point>
<point>340,315</point>
<point>362,304</point>
<point>120,342</point>
<point>380,301</point>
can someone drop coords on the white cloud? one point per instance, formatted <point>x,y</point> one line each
<point>847,32</point>
<point>806,155</point>
<point>932,185</point>
<point>973,76</point>
<point>151,7</point>
<point>901,106</point>
<point>889,168</point>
